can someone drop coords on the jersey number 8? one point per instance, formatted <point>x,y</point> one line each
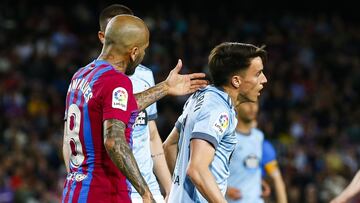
<point>73,129</point>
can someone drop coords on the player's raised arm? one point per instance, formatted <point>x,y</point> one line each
<point>120,153</point>
<point>175,84</point>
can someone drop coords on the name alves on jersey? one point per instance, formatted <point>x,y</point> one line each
<point>83,86</point>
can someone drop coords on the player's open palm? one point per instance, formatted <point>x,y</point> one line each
<point>184,84</point>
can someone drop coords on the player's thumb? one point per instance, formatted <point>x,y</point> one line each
<point>178,66</point>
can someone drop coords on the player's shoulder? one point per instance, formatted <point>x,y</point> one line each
<point>215,96</point>
<point>143,73</point>
<point>144,69</point>
<point>258,133</point>
<point>268,144</point>
<point>113,75</point>
<point>269,149</point>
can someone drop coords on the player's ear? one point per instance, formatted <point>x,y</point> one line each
<point>101,36</point>
<point>236,81</point>
<point>134,52</point>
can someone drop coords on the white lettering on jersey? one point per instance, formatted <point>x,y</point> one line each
<point>83,86</point>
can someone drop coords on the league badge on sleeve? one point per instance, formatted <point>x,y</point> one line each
<point>221,123</point>
<point>119,98</point>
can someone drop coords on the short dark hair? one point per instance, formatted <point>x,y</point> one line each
<point>230,57</point>
<point>110,12</point>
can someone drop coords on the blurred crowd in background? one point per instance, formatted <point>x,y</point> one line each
<point>309,109</point>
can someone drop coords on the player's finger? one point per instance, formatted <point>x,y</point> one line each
<point>199,82</point>
<point>194,88</point>
<point>197,75</point>
<point>178,66</point>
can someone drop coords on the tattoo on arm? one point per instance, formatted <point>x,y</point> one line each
<point>145,98</point>
<point>157,155</point>
<point>120,153</point>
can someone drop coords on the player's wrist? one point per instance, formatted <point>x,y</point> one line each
<point>157,155</point>
<point>165,86</point>
<point>147,195</point>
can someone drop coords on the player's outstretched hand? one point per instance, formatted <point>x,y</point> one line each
<point>184,84</point>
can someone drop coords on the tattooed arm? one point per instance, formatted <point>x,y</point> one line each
<point>175,84</point>
<point>120,153</point>
<point>145,98</point>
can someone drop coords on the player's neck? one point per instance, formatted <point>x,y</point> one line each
<point>116,61</point>
<point>243,128</point>
<point>232,93</point>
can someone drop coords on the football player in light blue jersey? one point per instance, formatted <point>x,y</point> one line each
<point>146,141</point>
<point>147,144</point>
<point>250,156</point>
<point>199,147</point>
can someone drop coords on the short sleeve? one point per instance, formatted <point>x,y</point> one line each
<point>268,161</point>
<point>118,100</point>
<point>269,153</point>
<point>179,123</point>
<point>212,121</point>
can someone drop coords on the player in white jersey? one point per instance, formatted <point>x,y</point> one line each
<point>250,156</point>
<point>146,141</point>
<point>147,144</point>
<point>199,147</point>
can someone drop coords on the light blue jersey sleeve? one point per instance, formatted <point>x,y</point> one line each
<point>212,121</point>
<point>181,120</point>
<point>269,155</point>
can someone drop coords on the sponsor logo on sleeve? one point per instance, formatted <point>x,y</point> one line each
<point>221,123</point>
<point>120,98</point>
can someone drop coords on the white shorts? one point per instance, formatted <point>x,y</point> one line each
<point>158,199</point>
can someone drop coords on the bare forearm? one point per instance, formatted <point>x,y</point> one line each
<point>354,187</point>
<point>206,184</point>
<point>280,190</point>
<point>170,156</point>
<point>120,153</point>
<point>161,169</point>
<point>171,149</point>
<point>162,173</point>
<point>145,98</point>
